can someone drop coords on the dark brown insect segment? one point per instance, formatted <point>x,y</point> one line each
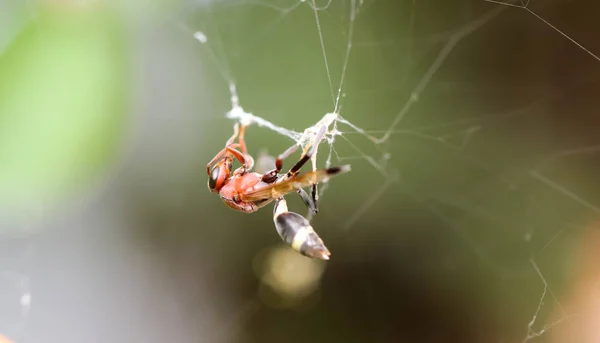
<point>297,232</point>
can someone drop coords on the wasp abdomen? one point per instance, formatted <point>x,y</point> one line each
<point>296,231</point>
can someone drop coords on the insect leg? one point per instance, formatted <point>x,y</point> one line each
<point>246,160</point>
<point>311,153</point>
<point>229,144</point>
<point>219,155</point>
<point>315,198</point>
<point>271,176</point>
<point>297,232</point>
<point>313,149</point>
<point>235,134</point>
<point>249,161</point>
<point>308,201</point>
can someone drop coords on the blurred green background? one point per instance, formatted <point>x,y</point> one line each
<point>109,112</point>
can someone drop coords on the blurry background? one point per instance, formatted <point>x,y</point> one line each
<point>474,221</point>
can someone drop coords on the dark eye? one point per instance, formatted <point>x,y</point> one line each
<point>214,177</point>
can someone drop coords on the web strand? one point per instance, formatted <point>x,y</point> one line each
<point>453,136</point>
<point>347,54</point>
<point>324,52</point>
<point>539,17</point>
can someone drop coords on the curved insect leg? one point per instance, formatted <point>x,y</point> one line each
<point>271,176</point>
<point>218,156</point>
<point>314,192</point>
<point>308,201</point>
<point>229,144</point>
<point>249,161</point>
<point>297,232</point>
<point>246,160</point>
<point>230,147</point>
<point>236,131</point>
<point>305,157</point>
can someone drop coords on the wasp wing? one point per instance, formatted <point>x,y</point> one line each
<point>279,189</point>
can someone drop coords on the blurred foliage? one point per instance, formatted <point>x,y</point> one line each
<point>62,86</point>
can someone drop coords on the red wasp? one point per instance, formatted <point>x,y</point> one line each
<point>248,191</point>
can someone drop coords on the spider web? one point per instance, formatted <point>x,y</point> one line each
<point>350,135</point>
